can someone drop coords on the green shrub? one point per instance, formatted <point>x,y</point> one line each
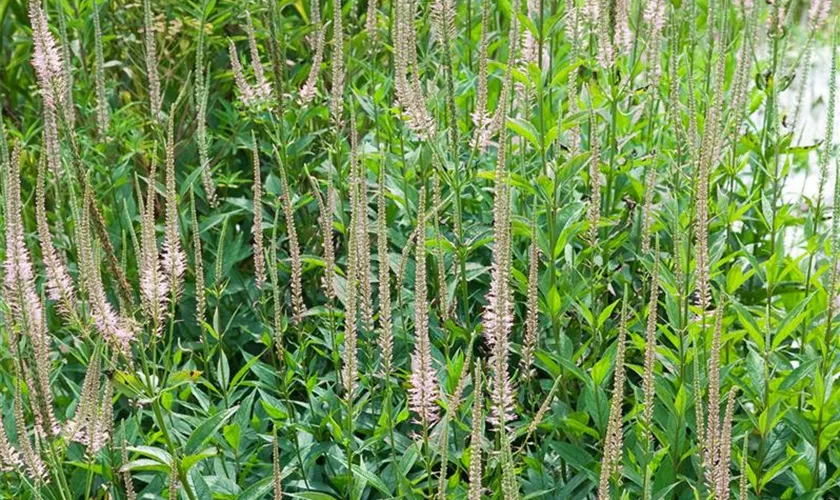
<point>419,250</point>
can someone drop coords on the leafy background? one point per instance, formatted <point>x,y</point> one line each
<point>221,390</point>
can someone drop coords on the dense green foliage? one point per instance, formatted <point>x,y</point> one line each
<point>573,219</point>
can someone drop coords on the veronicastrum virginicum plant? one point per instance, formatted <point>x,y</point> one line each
<point>401,249</point>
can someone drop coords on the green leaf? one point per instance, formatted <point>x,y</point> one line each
<point>158,454</point>
<point>575,456</point>
<point>602,318</point>
<point>525,130</point>
<point>800,372</point>
<point>232,434</point>
<point>189,461</point>
<point>372,479</point>
<point>261,488</point>
<point>145,464</point>
<point>206,429</point>
<point>312,495</point>
<point>243,371</point>
<point>202,489</point>
<point>182,377</point>
<point>750,325</point>
<point>830,432</point>
<point>789,324</point>
<point>223,369</point>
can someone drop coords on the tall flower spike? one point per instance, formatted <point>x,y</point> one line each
<point>742,481</point>
<point>66,99</point>
<point>654,18</point>
<point>835,235</point>
<point>44,367</point>
<point>424,392</point>
<point>325,220</point>
<point>440,258</point>
<point>480,117</point>
<point>498,313</point>
<point>151,60</point>
<point>101,433</point>
<point>47,58</point>
<point>824,156</point>
<point>173,259</point>
<point>200,73</point>
<point>456,399</point>
<point>153,287</point>
<point>259,256</point>
<point>351,302</point>
<point>497,324</point>
<point>530,49</point>
<point>692,134</point>
<point>19,277</point>
<point>298,306</point>
<point>362,240</point>
<point>529,345</point>
<point>337,92</point>
<point>102,115</point>
<point>117,331</point>
<point>364,257</point>
<point>623,35</point>
<point>594,181</point>
<point>386,339</point>
<point>262,85</point>
<point>501,113</point>
<point>276,51</point>
<point>709,152</point>
<point>203,151</point>
<point>647,207</point>
<point>4,150</point>
<point>613,440</point>
<point>275,459</point>
<point>9,457</point>
<point>126,475</point>
<point>741,80</point>
<point>699,412</point>
<point>543,409</point>
<point>277,296</point>
<point>409,94</point>
<point>59,285</point>
<point>510,484</point>
<point>219,265</point>
<point>650,353</point>
<point>250,95</point>
<point>674,106</point>
<point>79,429</point>
<point>31,459</point>
<point>679,273</point>
<point>599,10</point>
<point>52,80</point>
<point>443,446</point>
<point>201,97</point>
<point>713,436</point>
<point>174,483</point>
<point>725,447</point>
<point>198,265</point>
<point>40,428</point>
<point>574,33</point>
<point>246,94</point>
<point>443,20</point>
<point>476,433</point>
<point>818,13</point>
<point>370,22</point>
<point>27,312</point>
<point>307,92</point>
